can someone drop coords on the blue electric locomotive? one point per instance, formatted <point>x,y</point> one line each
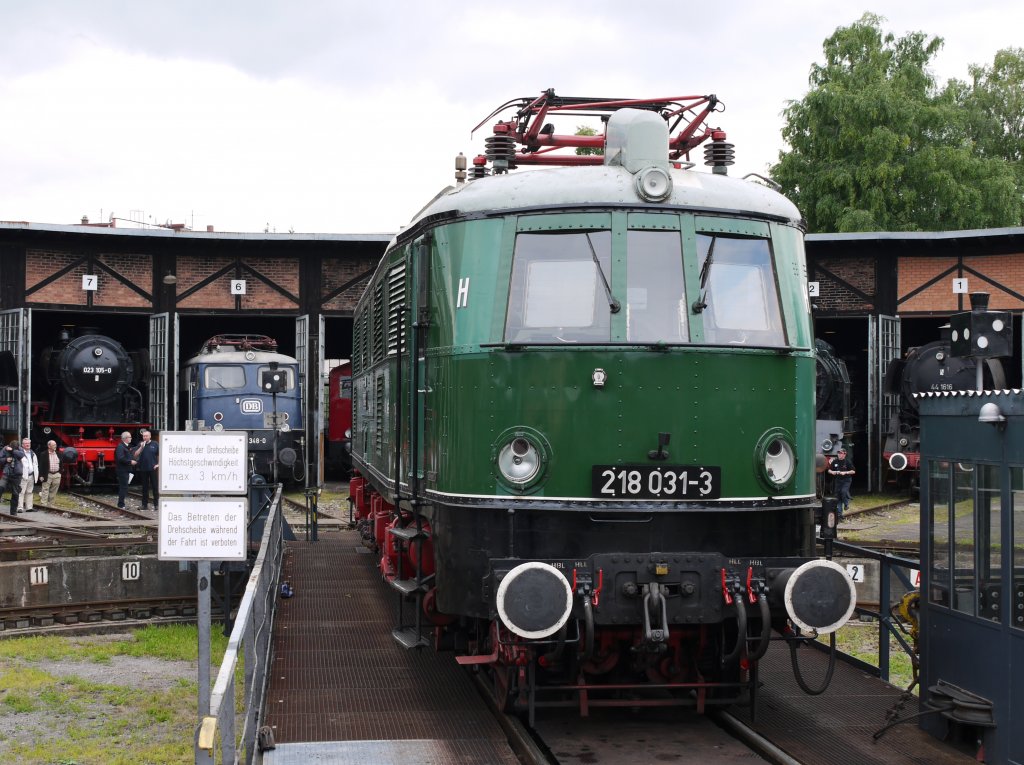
<point>226,389</point>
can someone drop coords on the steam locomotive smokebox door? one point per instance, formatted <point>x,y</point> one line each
<point>274,380</point>
<point>981,333</point>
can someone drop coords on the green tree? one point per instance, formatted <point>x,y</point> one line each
<point>994,102</point>
<point>587,130</point>
<point>875,146</point>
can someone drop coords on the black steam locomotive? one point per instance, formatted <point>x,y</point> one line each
<point>926,368</point>
<point>832,397</point>
<point>95,389</point>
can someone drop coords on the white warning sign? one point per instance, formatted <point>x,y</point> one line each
<point>201,461</point>
<point>202,529</point>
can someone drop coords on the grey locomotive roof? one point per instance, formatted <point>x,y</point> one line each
<point>239,357</point>
<point>606,185</point>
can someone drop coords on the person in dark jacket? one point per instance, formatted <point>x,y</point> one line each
<point>146,461</point>
<point>842,469</point>
<point>123,462</point>
<point>13,455</point>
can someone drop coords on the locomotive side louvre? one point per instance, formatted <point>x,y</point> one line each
<point>599,401</point>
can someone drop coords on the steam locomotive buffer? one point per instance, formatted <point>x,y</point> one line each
<point>632,501</point>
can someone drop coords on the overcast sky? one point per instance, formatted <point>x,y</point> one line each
<point>345,117</point>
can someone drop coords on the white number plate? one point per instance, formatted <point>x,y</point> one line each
<point>656,482</point>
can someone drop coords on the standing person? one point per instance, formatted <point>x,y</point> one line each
<point>29,474</point>
<point>12,461</point>
<point>49,473</point>
<point>147,460</point>
<point>842,468</point>
<point>123,462</point>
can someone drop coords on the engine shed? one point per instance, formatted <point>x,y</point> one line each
<point>163,292</point>
<point>877,295</point>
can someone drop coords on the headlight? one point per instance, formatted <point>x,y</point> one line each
<point>519,461</point>
<point>779,461</point>
<point>775,459</point>
<point>521,456</point>
<point>348,432</point>
<point>285,427</point>
<point>218,426</point>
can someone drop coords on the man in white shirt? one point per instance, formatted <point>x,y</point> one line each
<point>29,475</point>
<point>49,473</point>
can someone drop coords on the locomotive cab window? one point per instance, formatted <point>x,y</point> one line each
<point>224,377</point>
<point>656,308</point>
<point>558,291</point>
<point>739,291</point>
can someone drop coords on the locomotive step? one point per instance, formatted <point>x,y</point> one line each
<point>408,533</point>
<point>409,637</point>
<point>408,586</point>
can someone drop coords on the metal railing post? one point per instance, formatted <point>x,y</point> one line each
<point>251,636</point>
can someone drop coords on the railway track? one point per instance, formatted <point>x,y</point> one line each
<point>27,622</point>
<point>112,508</point>
<point>632,736</point>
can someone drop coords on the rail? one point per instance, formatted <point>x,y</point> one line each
<point>251,634</point>
<point>889,566</point>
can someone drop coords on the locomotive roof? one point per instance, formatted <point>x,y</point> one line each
<point>234,356</point>
<point>607,185</point>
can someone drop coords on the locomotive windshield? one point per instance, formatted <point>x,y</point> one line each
<point>562,290</point>
<point>558,292</point>
<point>742,299</point>
<point>655,296</point>
<point>226,377</point>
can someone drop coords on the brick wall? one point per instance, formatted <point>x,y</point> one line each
<point>335,272</point>
<point>1005,270</point>
<point>283,272</point>
<point>835,295</point>
<point>67,289</point>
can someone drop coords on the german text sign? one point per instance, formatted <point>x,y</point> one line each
<point>204,462</point>
<point>196,529</point>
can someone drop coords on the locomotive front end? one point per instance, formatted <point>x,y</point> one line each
<point>601,423</point>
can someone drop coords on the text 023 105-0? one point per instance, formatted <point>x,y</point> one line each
<point>656,481</point>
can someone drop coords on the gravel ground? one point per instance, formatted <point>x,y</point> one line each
<point>126,671</point>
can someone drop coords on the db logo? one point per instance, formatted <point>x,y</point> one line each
<point>252,406</point>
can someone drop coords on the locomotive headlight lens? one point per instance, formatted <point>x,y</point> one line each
<point>775,459</point>
<point>519,461</point>
<point>285,427</point>
<point>218,416</point>
<point>653,184</point>
<point>779,461</point>
<point>521,458</point>
<point>218,426</point>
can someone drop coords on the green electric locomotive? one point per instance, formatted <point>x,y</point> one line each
<point>584,413</point>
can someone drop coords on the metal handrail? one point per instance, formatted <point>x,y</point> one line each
<point>252,633</point>
<point>888,565</point>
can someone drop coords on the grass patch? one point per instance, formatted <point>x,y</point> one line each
<point>172,642</point>
<point>860,640</point>
<point>62,718</point>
